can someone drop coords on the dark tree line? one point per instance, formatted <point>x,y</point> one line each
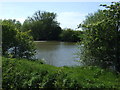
<point>43,26</point>
<point>70,35</point>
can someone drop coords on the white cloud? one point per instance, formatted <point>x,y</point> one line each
<point>21,19</point>
<point>70,19</point>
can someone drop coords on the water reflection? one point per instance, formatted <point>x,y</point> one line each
<point>57,53</point>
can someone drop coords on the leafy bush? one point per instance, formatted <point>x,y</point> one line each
<point>31,74</point>
<point>14,42</point>
<point>101,38</point>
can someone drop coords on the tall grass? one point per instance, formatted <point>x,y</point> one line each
<point>32,74</point>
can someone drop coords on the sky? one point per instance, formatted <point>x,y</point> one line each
<point>69,14</point>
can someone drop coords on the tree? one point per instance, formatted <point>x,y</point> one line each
<point>94,17</point>
<point>43,26</point>
<point>101,38</point>
<point>16,43</point>
<point>113,13</point>
<point>13,22</point>
<point>70,35</point>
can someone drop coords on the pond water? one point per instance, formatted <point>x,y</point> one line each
<point>57,53</point>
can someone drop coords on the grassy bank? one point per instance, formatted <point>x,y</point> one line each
<point>32,74</point>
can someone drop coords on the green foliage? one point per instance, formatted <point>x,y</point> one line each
<point>101,38</point>
<point>12,22</point>
<point>70,35</point>
<point>94,17</point>
<point>43,26</point>
<point>31,74</point>
<point>14,42</point>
